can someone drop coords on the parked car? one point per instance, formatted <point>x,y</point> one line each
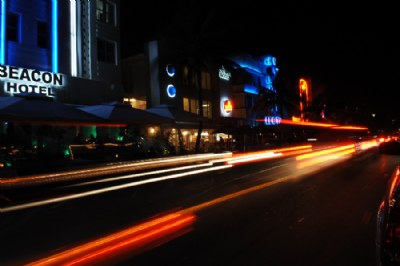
<point>388,215</point>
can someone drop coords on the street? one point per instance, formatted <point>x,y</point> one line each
<point>267,212</point>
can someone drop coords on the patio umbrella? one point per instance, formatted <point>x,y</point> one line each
<point>176,114</point>
<point>37,108</point>
<point>118,112</point>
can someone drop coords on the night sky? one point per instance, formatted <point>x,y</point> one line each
<point>350,51</point>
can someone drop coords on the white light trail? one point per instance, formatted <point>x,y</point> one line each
<point>143,174</point>
<point>108,189</point>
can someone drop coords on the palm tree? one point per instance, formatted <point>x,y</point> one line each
<point>189,37</point>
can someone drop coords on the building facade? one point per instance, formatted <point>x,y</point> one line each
<point>232,92</point>
<point>68,50</point>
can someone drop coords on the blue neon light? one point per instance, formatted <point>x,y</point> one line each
<point>170,70</point>
<point>270,61</point>
<point>250,89</point>
<point>171,91</point>
<point>272,120</point>
<point>54,39</point>
<point>2,31</point>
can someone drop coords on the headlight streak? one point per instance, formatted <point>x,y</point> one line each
<point>256,157</point>
<point>324,152</point>
<point>324,156</point>
<point>142,174</point>
<point>144,235</point>
<point>365,145</point>
<point>103,246</point>
<point>264,154</point>
<point>108,189</point>
<point>136,238</point>
<point>110,169</point>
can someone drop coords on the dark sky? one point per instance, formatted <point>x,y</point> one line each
<point>350,50</point>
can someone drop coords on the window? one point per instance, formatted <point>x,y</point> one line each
<point>186,105</point>
<point>106,51</point>
<point>194,106</point>
<point>12,31</point>
<point>207,109</point>
<point>105,12</point>
<point>43,35</point>
<point>205,80</point>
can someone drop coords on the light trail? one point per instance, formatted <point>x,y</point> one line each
<point>253,158</point>
<point>137,238</point>
<point>108,189</point>
<point>324,152</point>
<point>109,169</point>
<point>325,158</point>
<point>148,234</point>
<point>111,179</point>
<point>130,241</point>
<point>263,155</point>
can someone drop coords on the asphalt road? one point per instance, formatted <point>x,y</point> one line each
<point>327,218</point>
<point>274,215</point>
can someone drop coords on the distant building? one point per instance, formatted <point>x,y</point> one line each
<point>236,93</point>
<point>68,50</point>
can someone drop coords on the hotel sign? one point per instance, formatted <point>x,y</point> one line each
<point>16,80</point>
<point>224,74</point>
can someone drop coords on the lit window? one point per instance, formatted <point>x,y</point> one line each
<point>105,11</point>
<point>207,109</point>
<point>186,106</point>
<point>194,106</point>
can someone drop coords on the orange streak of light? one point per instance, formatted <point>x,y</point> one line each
<point>301,147</point>
<point>303,123</point>
<point>368,144</point>
<point>324,152</point>
<point>293,148</point>
<point>134,239</point>
<point>290,153</point>
<point>325,158</point>
<point>317,124</point>
<point>350,127</point>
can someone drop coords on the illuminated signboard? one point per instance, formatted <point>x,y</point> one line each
<point>228,106</point>
<point>272,120</point>
<point>224,74</point>
<point>16,80</point>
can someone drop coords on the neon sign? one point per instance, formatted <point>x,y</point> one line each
<point>224,74</point>
<point>228,107</point>
<point>17,80</point>
<point>171,91</point>
<point>2,31</point>
<point>170,70</point>
<point>272,120</point>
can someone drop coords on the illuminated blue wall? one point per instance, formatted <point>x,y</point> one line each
<point>263,69</point>
<point>26,52</point>
<point>259,87</point>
